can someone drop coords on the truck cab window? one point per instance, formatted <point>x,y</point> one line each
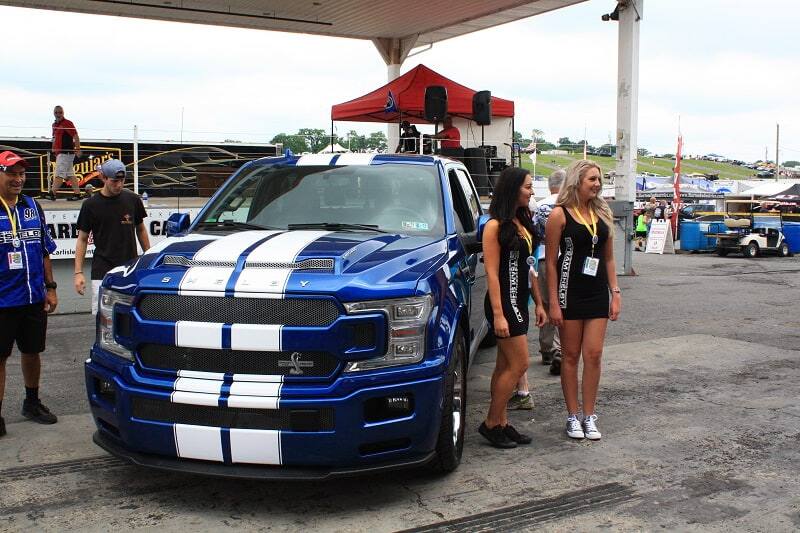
<point>464,220</point>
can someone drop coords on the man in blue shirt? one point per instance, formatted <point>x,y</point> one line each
<point>27,289</point>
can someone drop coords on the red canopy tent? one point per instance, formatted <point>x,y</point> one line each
<point>404,98</point>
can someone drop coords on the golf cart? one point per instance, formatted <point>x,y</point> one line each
<point>751,231</point>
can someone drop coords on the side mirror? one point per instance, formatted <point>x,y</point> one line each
<point>482,221</point>
<point>177,223</point>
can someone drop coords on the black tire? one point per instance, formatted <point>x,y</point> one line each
<point>784,250</point>
<point>751,250</point>
<point>722,252</point>
<point>450,444</point>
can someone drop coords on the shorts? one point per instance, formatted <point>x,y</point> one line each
<point>641,234</point>
<point>64,167</point>
<point>25,324</point>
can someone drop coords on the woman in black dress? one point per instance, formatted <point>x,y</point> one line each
<point>579,253</point>
<point>508,242</point>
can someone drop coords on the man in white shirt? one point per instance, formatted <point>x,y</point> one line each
<point>549,343</point>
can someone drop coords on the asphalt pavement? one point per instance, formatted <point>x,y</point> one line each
<point>698,409</point>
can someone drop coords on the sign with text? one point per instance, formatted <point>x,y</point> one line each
<point>659,239</point>
<point>63,227</point>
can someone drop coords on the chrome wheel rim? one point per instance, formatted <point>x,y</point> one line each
<point>457,396</point>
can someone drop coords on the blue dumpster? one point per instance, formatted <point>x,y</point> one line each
<point>690,235</point>
<point>791,232</point>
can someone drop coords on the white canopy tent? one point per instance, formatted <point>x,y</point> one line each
<point>334,148</point>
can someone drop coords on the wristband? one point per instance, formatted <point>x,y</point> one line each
<point>76,273</point>
<point>616,290</point>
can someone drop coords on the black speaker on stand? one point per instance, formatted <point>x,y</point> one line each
<point>482,109</point>
<point>435,103</point>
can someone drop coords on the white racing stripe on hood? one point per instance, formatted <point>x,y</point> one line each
<point>283,248</point>
<point>198,442</point>
<point>227,248</point>
<point>169,241</point>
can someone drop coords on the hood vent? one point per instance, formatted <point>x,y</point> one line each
<point>306,264</point>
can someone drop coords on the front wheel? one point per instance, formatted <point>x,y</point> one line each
<point>784,250</point>
<point>450,443</point>
<point>751,250</point>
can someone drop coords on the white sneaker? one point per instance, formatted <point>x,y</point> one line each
<point>590,430</point>
<point>574,429</point>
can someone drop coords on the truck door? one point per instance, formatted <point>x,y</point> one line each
<point>467,210</point>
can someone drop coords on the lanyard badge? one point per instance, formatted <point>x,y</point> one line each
<point>15,241</point>
<point>591,264</point>
<point>591,229</point>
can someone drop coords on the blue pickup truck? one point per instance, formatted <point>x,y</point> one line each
<point>316,319</point>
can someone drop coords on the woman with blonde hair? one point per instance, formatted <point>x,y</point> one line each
<point>580,278</point>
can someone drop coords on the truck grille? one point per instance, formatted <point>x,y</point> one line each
<point>230,310</point>
<point>164,357</point>
<point>285,419</point>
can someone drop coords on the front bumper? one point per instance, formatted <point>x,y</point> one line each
<point>345,444</point>
<point>242,471</point>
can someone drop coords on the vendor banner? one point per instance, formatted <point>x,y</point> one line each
<point>63,227</point>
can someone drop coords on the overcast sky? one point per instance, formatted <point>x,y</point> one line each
<point>729,69</point>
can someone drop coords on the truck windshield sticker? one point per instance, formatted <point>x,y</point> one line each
<point>415,226</point>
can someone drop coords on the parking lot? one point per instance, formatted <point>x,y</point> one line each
<point>698,408</point>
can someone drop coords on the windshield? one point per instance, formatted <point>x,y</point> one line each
<point>392,198</point>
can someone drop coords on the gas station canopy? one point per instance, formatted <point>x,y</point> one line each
<point>424,21</point>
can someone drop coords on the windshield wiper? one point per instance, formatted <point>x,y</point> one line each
<point>337,226</point>
<point>231,224</point>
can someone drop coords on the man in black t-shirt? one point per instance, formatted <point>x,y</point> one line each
<point>115,218</point>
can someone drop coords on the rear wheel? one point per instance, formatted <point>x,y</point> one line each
<point>722,252</point>
<point>784,250</point>
<point>751,250</point>
<point>450,443</point>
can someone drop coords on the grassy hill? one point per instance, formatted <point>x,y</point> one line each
<point>548,163</point>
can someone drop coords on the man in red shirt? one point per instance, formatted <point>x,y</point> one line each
<point>450,136</point>
<point>66,145</point>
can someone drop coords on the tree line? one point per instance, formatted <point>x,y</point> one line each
<point>316,139</point>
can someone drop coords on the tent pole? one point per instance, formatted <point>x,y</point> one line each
<point>331,132</point>
<point>512,145</point>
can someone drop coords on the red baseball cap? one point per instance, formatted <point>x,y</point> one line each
<point>8,159</point>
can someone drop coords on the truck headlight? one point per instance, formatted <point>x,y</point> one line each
<point>106,301</point>
<point>408,322</point>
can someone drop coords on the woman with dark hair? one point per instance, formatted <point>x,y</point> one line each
<point>579,280</point>
<point>508,242</point>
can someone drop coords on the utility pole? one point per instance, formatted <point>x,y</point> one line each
<point>777,143</point>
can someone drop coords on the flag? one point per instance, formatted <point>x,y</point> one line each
<point>676,201</point>
<point>391,103</point>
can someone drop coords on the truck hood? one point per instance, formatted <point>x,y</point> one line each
<point>355,265</point>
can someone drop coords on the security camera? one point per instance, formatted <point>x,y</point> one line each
<point>614,15</point>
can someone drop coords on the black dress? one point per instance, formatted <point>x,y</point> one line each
<point>514,288</point>
<point>582,296</point>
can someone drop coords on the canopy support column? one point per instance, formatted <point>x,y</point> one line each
<point>394,52</point>
<point>630,12</point>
